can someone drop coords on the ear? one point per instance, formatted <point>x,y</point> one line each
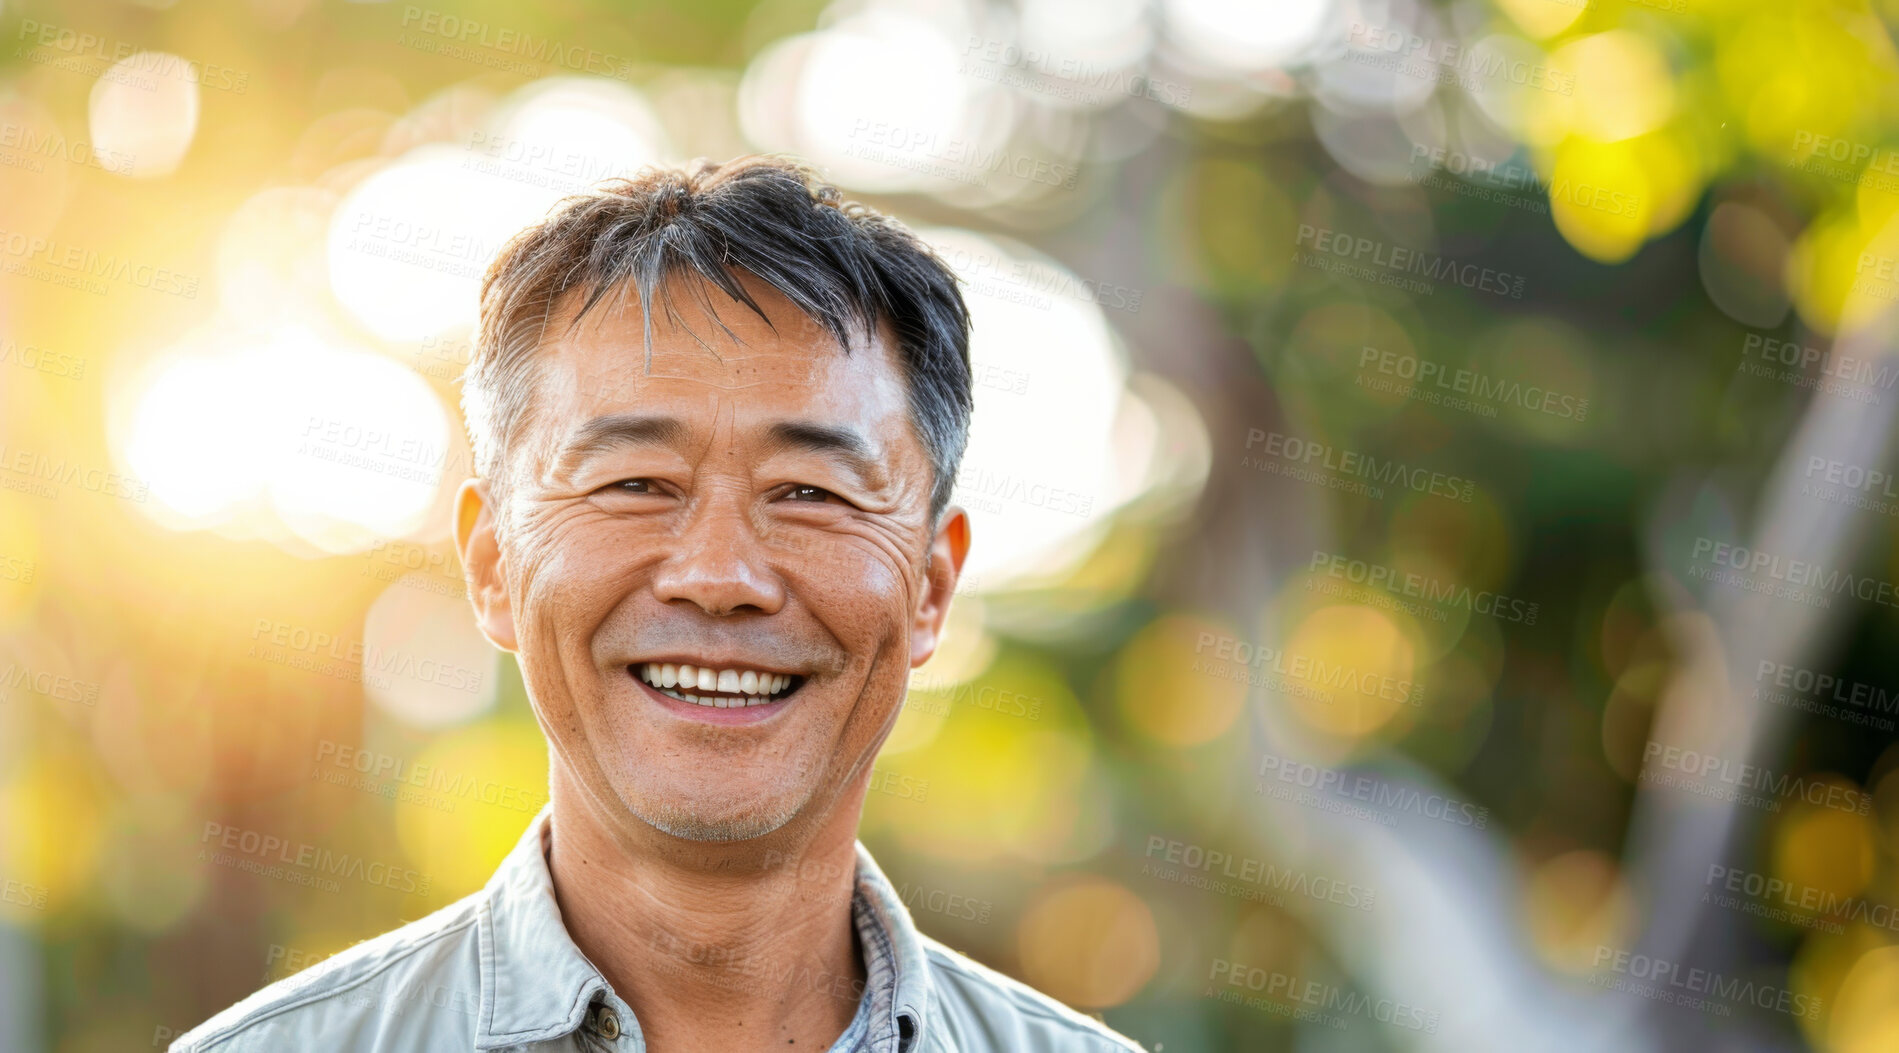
<point>482,565</point>
<point>945,567</point>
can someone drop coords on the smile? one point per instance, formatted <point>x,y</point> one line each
<point>717,688</point>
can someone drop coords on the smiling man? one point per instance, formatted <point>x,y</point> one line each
<point>717,417</point>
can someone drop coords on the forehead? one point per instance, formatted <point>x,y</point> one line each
<point>715,352</point>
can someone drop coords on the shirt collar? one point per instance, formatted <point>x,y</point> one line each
<point>897,973</point>
<point>536,984</point>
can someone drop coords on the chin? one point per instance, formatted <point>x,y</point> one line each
<point>700,820</point>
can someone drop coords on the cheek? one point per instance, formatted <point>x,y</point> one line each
<point>572,575</point>
<point>859,588</point>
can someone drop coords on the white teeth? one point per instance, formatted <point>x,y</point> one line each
<point>753,687</point>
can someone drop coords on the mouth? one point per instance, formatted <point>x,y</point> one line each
<point>714,687</point>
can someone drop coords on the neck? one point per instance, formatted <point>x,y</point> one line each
<point>715,946</point>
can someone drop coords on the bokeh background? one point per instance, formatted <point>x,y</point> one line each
<point>1431,480</point>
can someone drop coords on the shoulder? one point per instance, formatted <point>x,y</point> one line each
<point>405,989</point>
<point>978,1008</point>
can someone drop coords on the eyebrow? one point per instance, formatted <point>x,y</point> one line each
<point>842,443</point>
<point>618,430</point>
<point>612,432</point>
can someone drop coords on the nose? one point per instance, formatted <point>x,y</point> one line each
<point>719,565</point>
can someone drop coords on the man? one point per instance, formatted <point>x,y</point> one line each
<point>717,417</point>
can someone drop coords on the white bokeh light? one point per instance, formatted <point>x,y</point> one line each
<point>424,662</point>
<point>879,101</point>
<point>1048,380</point>
<point>1246,35</point>
<point>1079,41</point>
<point>143,112</point>
<point>569,133</point>
<point>235,429</point>
<point>408,245</point>
<point>186,436</point>
<point>365,452</point>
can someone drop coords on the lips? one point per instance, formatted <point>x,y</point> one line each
<point>715,687</point>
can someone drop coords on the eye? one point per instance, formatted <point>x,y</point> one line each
<point>632,486</point>
<point>810,493</point>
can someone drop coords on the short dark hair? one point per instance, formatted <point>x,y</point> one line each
<point>845,265</point>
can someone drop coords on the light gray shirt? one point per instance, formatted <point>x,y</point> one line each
<point>497,971</point>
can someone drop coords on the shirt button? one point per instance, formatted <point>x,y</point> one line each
<point>607,1022</point>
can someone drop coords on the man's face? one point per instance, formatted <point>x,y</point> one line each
<point>754,509</point>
